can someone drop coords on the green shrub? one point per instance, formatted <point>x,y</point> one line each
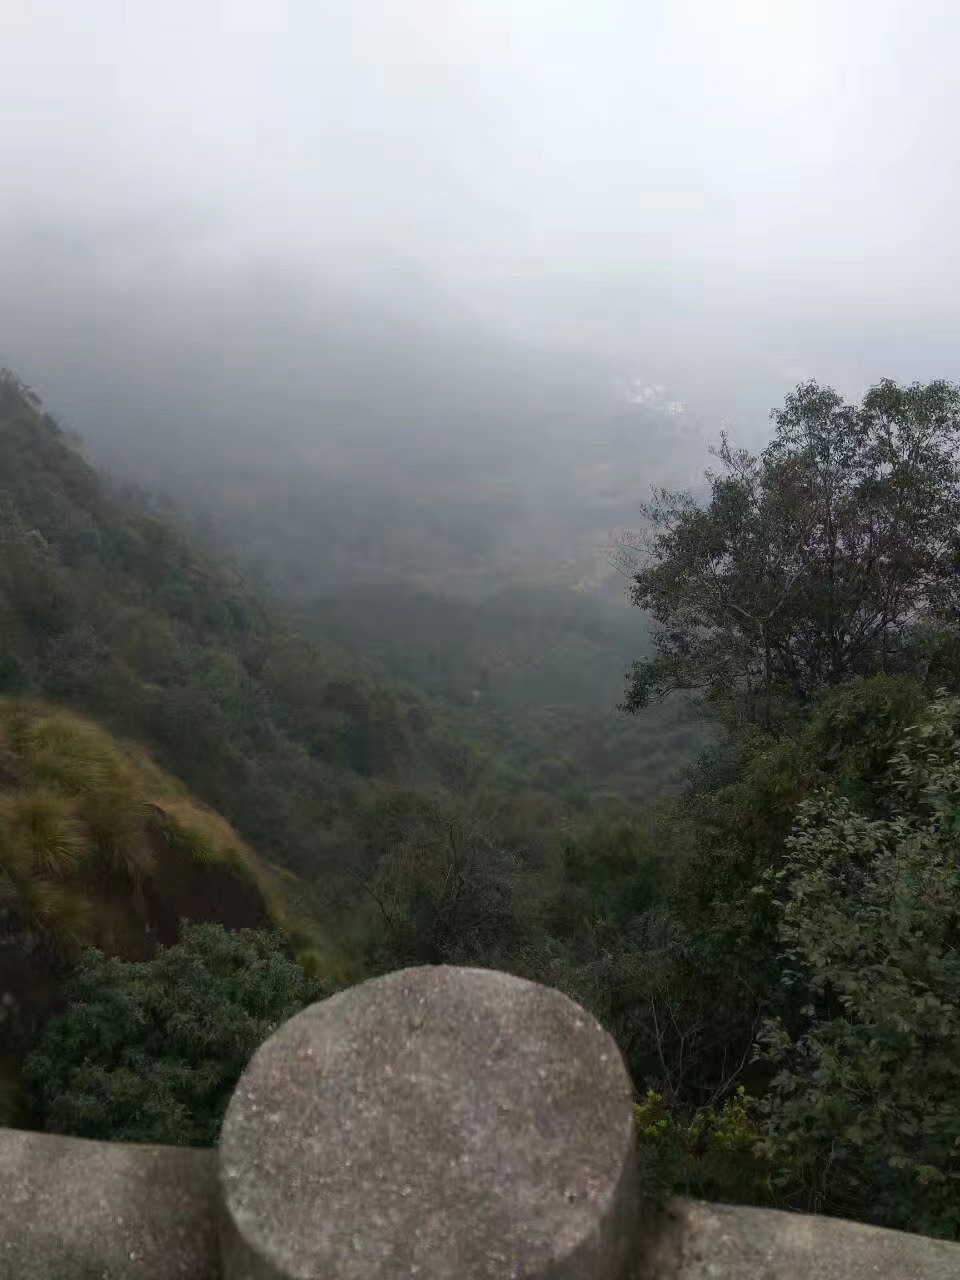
<point>866,1099</point>
<point>715,1155</point>
<point>151,1051</point>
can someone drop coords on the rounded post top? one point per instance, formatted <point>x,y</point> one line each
<point>445,1123</point>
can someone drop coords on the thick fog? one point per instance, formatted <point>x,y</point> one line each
<point>389,237</point>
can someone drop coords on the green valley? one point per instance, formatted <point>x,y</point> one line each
<point>218,804</point>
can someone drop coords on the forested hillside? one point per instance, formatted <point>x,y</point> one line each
<point>531,675</point>
<point>359,786</point>
<point>107,607</point>
<point>773,944</point>
<point>115,610</point>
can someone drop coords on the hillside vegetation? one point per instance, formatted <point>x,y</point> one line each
<point>100,848</point>
<point>358,786</point>
<point>107,607</point>
<point>773,944</point>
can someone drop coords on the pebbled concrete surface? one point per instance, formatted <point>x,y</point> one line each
<point>77,1210</point>
<point>692,1240</point>
<point>445,1123</point>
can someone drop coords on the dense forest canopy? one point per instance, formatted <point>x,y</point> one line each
<point>751,880</point>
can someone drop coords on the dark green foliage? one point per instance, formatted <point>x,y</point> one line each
<point>813,562</point>
<point>151,1051</point>
<point>442,883</point>
<point>615,868</point>
<point>529,676</point>
<point>806,950</point>
<point>717,969</point>
<point>855,730</point>
<point>742,817</point>
<point>814,605</point>
<point>866,1100</point>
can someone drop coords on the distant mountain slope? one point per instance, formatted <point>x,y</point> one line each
<point>107,607</point>
<point>533,674</point>
<point>295,734</point>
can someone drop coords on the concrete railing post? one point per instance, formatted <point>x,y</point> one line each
<point>440,1123</point>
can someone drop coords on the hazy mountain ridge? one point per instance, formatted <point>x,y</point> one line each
<point>112,609</point>
<point>376,438</point>
<point>197,665</point>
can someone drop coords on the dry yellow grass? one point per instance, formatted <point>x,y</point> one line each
<point>90,827</point>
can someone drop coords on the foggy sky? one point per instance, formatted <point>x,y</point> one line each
<point>282,213</point>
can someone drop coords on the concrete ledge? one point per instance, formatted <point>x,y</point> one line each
<point>435,1124</point>
<point>77,1210</point>
<point>696,1241</point>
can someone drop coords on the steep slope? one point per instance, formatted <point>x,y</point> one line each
<point>107,607</point>
<point>99,847</point>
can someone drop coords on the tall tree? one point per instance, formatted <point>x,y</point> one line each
<point>822,558</point>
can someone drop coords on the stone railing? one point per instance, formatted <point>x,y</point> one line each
<point>440,1123</point>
